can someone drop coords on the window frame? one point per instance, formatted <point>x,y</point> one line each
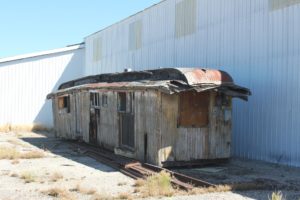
<point>64,104</point>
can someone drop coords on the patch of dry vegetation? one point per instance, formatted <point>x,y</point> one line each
<point>218,188</point>
<point>155,185</point>
<point>28,176</point>
<point>17,142</point>
<point>9,153</point>
<point>277,196</point>
<point>32,155</point>
<point>83,190</point>
<point>15,161</point>
<point>60,193</point>
<point>56,176</point>
<point>14,175</point>
<point>6,128</point>
<point>124,195</point>
<point>13,154</point>
<point>98,196</point>
<point>159,185</point>
<point>122,183</point>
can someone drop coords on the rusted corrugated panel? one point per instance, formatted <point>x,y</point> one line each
<point>206,76</point>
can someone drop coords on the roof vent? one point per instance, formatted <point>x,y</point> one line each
<point>127,70</point>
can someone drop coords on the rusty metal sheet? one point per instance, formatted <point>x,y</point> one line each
<point>206,76</point>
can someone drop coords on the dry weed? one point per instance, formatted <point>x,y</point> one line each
<point>98,196</point>
<point>139,183</point>
<point>219,188</point>
<point>5,128</point>
<point>28,176</point>
<point>122,183</point>
<point>277,196</point>
<point>14,175</point>
<point>32,155</point>
<point>156,185</point>
<point>22,127</point>
<point>9,153</point>
<point>59,193</point>
<point>84,190</point>
<point>13,154</point>
<point>125,196</point>
<point>15,161</point>
<point>56,176</point>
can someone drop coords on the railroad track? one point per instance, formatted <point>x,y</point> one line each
<point>136,169</point>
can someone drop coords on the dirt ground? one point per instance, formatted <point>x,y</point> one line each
<point>253,179</point>
<point>62,173</point>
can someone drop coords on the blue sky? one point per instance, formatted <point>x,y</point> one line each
<point>35,25</point>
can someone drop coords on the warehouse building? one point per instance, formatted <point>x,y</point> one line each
<point>256,41</point>
<point>25,81</point>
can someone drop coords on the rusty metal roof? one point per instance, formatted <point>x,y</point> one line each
<point>169,80</point>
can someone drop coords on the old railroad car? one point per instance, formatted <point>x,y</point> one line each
<point>164,116</point>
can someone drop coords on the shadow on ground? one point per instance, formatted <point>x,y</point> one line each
<point>47,141</point>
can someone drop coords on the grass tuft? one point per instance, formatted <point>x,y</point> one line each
<point>122,183</point>
<point>219,188</point>
<point>277,196</point>
<point>98,196</point>
<point>56,176</point>
<point>28,176</point>
<point>14,175</point>
<point>6,128</point>
<point>83,190</point>
<point>156,185</point>
<point>13,154</point>
<point>59,193</point>
<point>125,196</point>
<point>9,153</point>
<point>32,155</point>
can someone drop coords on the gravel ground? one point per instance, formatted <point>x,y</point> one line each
<point>75,169</point>
<point>82,177</point>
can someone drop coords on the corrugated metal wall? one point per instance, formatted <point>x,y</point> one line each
<point>256,41</point>
<point>25,83</point>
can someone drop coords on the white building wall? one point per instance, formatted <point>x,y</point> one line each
<point>26,80</point>
<point>256,41</point>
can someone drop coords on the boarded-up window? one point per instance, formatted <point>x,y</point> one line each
<point>64,103</point>
<point>97,49</point>
<point>278,4</point>
<point>135,35</point>
<point>186,18</point>
<point>193,109</point>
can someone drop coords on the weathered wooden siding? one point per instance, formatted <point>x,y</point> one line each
<point>85,115</point>
<point>186,144</point>
<point>65,123</point>
<point>147,122</point>
<point>168,125</point>
<point>108,134</point>
<point>155,118</point>
<point>219,129</point>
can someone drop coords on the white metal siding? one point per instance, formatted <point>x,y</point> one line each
<point>256,41</point>
<point>25,83</point>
